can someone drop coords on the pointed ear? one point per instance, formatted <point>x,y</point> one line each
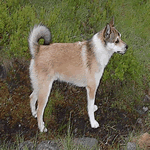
<point>107,31</point>
<point>112,22</point>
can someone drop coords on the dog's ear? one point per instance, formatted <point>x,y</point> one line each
<point>107,31</point>
<point>112,22</point>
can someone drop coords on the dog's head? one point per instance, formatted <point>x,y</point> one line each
<point>112,39</point>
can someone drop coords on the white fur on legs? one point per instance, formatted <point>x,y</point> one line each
<point>95,108</point>
<point>91,109</point>
<point>43,128</point>
<point>42,101</point>
<point>41,125</point>
<point>33,99</point>
<point>34,113</point>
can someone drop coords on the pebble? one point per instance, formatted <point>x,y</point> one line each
<point>146,99</point>
<point>131,146</point>
<point>26,145</point>
<point>87,142</point>
<point>145,109</point>
<point>47,145</point>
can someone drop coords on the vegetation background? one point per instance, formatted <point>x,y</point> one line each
<point>126,79</point>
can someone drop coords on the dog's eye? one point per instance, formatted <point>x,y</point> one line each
<point>117,41</point>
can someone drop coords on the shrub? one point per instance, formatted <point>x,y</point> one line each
<point>16,21</point>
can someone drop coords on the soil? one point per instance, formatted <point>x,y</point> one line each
<point>71,111</point>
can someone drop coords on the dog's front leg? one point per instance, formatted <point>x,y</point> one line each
<point>91,91</point>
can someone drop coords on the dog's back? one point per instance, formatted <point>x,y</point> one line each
<point>63,61</point>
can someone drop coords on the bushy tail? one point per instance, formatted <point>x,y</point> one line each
<point>38,32</point>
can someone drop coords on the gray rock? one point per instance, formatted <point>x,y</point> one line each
<point>131,146</point>
<point>146,99</point>
<point>47,145</point>
<point>86,142</point>
<point>145,109</point>
<point>26,145</point>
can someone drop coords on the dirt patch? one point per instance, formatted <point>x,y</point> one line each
<point>16,118</point>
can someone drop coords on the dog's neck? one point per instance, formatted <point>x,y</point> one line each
<point>102,54</point>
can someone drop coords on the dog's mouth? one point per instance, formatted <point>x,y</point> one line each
<point>123,52</point>
<point>119,52</point>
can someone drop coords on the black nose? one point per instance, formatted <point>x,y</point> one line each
<point>126,46</point>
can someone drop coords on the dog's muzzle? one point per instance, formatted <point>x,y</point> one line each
<point>120,52</point>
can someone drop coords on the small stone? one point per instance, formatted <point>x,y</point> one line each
<point>146,99</point>
<point>139,120</point>
<point>26,145</point>
<point>145,109</point>
<point>47,145</point>
<point>131,146</point>
<point>87,142</point>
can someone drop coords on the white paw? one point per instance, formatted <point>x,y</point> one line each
<point>34,113</point>
<point>94,124</point>
<point>95,108</point>
<point>43,128</point>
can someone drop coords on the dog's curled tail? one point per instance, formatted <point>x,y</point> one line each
<point>38,32</point>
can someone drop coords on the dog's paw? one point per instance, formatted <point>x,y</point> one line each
<point>94,124</point>
<point>34,114</point>
<point>43,128</point>
<point>95,108</point>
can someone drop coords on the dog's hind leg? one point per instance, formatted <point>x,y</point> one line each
<point>91,91</point>
<point>34,81</point>
<point>44,91</point>
<point>33,99</point>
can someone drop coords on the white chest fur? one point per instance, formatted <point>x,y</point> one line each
<point>102,54</point>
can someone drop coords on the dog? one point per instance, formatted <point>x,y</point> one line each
<point>79,63</point>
